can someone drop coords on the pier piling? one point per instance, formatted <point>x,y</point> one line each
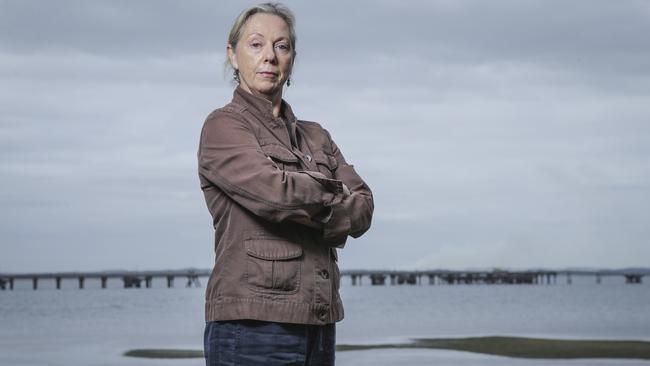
<point>633,278</point>
<point>377,279</point>
<point>193,280</point>
<point>131,281</point>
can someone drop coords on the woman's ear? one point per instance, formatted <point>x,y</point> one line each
<point>232,57</point>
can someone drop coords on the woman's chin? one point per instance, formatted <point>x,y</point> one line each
<point>268,89</point>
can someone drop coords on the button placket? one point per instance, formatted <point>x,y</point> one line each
<point>323,289</point>
<point>303,158</point>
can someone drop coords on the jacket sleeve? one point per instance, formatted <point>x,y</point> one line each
<point>230,158</point>
<point>353,215</point>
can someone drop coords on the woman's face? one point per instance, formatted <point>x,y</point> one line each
<point>263,55</point>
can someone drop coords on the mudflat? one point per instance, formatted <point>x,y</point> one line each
<point>520,347</point>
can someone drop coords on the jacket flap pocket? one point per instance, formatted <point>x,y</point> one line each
<point>272,249</point>
<point>280,153</point>
<point>325,159</point>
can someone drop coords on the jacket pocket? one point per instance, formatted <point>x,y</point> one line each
<point>273,265</point>
<point>326,163</point>
<point>281,156</point>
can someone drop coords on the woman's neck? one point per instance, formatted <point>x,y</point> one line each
<point>276,105</point>
<point>275,99</point>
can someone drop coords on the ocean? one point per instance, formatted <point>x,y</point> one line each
<point>95,326</point>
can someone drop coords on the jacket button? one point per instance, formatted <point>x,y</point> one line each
<point>308,157</point>
<point>322,313</point>
<point>325,274</point>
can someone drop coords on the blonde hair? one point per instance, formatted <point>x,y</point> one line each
<point>277,9</point>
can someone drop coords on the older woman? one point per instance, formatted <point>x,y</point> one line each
<point>282,199</point>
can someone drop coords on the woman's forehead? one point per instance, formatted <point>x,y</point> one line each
<point>266,25</point>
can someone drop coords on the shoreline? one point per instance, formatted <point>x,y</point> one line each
<point>516,347</point>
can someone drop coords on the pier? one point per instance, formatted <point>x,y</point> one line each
<point>495,277</point>
<point>378,278</point>
<point>130,279</point>
<point>140,279</point>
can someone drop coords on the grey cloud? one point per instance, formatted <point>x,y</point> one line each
<point>575,34</point>
<point>507,133</point>
<point>581,35</point>
<point>117,28</point>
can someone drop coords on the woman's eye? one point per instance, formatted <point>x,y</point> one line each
<point>256,45</point>
<point>283,47</point>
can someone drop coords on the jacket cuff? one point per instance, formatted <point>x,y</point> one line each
<point>332,185</point>
<point>337,228</point>
<point>324,216</point>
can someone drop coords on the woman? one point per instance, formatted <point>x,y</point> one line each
<point>282,198</point>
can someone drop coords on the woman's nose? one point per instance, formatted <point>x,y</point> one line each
<point>269,54</point>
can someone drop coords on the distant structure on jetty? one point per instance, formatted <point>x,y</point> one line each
<point>135,279</point>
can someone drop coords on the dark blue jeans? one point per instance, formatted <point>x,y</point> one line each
<point>253,343</point>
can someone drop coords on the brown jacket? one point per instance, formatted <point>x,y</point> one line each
<point>279,210</point>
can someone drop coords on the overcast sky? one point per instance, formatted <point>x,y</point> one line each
<point>493,133</point>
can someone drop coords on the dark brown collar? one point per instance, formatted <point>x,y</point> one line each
<point>262,107</point>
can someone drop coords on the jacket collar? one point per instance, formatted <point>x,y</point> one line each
<point>262,107</point>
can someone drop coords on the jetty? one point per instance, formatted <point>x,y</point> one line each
<point>144,279</point>
<point>494,277</point>
<point>130,279</point>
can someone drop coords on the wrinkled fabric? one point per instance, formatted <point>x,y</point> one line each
<point>279,212</point>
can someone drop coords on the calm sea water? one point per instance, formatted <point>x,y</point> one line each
<point>94,326</point>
